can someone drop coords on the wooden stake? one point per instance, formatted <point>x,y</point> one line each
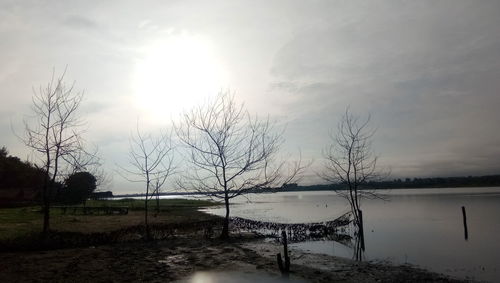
<point>284,267</point>
<point>466,233</point>
<point>361,230</point>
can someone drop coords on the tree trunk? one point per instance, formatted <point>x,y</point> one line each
<point>46,207</point>
<point>361,230</point>
<point>46,217</point>
<point>225,227</point>
<point>146,213</point>
<point>157,202</point>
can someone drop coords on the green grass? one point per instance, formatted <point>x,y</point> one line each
<point>137,204</point>
<point>18,221</point>
<point>19,215</point>
<point>21,221</point>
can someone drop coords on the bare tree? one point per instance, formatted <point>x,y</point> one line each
<point>350,162</point>
<point>90,161</point>
<point>230,152</point>
<point>158,180</point>
<point>54,132</point>
<point>103,178</point>
<point>151,160</point>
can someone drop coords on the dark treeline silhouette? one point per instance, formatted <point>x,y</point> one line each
<point>21,184</point>
<point>440,182</point>
<point>77,188</point>
<point>101,195</point>
<point>435,182</point>
<point>20,181</point>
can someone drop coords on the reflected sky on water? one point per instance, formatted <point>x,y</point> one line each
<point>418,226</point>
<point>234,277</point>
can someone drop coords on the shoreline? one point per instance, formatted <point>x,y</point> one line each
<point>184,256</point>
<point>334,268</point>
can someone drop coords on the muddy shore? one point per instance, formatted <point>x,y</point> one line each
<point>185,258</point>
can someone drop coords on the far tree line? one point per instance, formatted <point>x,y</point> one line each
<point>439,182</point>
<point>405,183</point>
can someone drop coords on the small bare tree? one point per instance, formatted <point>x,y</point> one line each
<point>151,160</point>
<point>158,180</point>
<point>350,162</point>
<point>92,164</point>
<point>54,132</point>
<point>230,152</point>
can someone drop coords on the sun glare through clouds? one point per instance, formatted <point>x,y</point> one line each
<point>176,73</point>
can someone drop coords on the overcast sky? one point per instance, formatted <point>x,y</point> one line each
<point>428,72</point>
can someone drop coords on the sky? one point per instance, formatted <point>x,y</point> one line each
<point>428,73</point>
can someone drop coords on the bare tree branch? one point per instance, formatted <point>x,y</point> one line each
<point>231,153</point>
<point>54,131</point>
<point>349,161</point>
<point>151,162</point>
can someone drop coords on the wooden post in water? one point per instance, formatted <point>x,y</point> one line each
<point>284,267</point>
<point>361,230</point>
<point>466,233</point>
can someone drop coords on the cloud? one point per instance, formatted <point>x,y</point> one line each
<point>428,75</point>
<point>427,71</point>
<point>80,22</point>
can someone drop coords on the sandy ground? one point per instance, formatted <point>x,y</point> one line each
<point>194,259</point>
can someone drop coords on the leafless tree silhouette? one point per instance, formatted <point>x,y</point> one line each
<point>92,164</point>
<point>350,161</point>
<point>230,152</point>
<point>151,161</point>
<point>54,132</point>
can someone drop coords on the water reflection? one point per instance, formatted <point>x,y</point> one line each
<point>358,249</point>
<point>417,226</point>
<point>234,277</point>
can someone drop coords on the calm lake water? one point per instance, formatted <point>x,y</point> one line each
<point>422,227</point>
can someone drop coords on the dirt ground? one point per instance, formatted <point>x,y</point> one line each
<point>186,258</point>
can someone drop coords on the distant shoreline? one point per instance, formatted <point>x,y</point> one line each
<point>415,183</point>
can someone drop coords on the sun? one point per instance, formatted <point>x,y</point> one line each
<point>175,74</point>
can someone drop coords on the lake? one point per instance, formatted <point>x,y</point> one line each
<point>423,227</point>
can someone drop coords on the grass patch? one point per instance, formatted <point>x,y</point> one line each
<point>17,223</point>
<point>137,204</point>
<point>19,214</point>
